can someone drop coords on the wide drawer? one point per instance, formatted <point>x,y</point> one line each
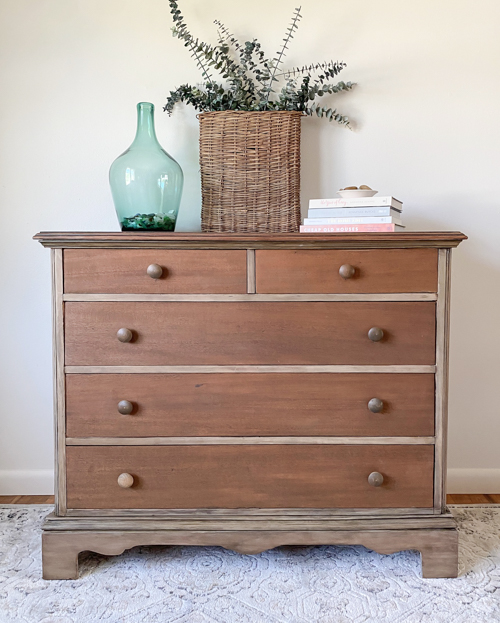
<point>317,271</point>
<point>219,405</point>
<point>176,333</point>
<point>260,476</point>
<point>124,271</point>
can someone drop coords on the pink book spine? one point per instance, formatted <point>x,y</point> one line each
<point>383,227</point>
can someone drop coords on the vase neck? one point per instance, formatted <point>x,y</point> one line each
<point>145,125</point>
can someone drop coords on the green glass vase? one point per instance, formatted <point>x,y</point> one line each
<point>146,183</point>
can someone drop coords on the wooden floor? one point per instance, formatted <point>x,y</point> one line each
<point>478,498</point>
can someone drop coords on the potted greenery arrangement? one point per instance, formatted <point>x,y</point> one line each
<point>250,127</point>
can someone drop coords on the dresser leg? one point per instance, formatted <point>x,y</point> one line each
<point>59,557</point>
<point>440,560</point>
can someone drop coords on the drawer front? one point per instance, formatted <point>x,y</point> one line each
<point>177,333</point>
<point>124,271</point>
<point>219,405</point>
<point>384,270</point>
<point>280,476</point>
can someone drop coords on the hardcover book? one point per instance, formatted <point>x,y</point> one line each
<point>347,212</point>
<point>362,220</point>
<point>322,229</point>
<point>355,203</point>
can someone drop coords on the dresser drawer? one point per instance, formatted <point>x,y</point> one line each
<point>124,271</point>
<point>219,405</point>
<point>259,476</point>
<point>317,271</point>
<point>175,333</point>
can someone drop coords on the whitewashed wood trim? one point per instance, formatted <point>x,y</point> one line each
<point>245,441</point>
<point>59,380</point>
<point>251,513</point>
<point>248,523</point>
<point>251,274</point>
<point>249,369</point>
<point>407,240</point>
<point>250,298</point>
<point>442,354</point>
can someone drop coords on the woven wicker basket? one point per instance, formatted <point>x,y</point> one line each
<point>250,171</point>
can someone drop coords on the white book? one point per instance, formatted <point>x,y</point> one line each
<point>358,202</point>
<point>348,212</point>
<point>362,220</point>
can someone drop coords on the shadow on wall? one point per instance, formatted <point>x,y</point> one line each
<point>310,169</point>
<point>474,346</point>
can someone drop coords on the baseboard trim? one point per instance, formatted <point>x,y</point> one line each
<point>41,481</point>
<point>466,480</point>
<point>27,482</point>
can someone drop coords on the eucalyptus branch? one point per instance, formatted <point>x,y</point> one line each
<point>180,30</point>
<point>296,17</point>
<point>225,35</point>
<point>330,68</point>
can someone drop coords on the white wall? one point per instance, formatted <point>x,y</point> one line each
<point>427,131</point>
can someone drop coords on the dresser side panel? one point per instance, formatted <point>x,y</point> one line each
<point>59,381</point>
<point>442,363</point>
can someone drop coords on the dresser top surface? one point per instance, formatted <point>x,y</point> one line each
<point>200,240</point>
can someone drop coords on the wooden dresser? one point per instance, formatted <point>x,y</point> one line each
<point>250,391</point>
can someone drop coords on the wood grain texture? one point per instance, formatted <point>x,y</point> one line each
<point>473,498</point>
<point>251,513</point>
<point>250,476</point>
<point>457,498</point>
<point>184,271</point>
<point>243,333</point>
<point>439,548</point>
<point>59,381</point>
<point>442,364</point>
<point>249,298</point>
<point>245,441</point>
<point>249,404</point>
<point>253,369</point>
<point>317,271</point>
<point>235,522</point>
<point>251,271</point>
<point>196,240</point>
<point>26,499</point>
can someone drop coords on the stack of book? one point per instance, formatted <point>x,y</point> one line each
<point>369,214</point>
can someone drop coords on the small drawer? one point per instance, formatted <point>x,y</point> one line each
<point>346,272</point>
<point>220,405</point>
<point>249,476</point>
<point>267,333</point>
<point>154,271</point>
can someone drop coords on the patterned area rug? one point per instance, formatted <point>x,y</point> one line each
<point>286,585</point>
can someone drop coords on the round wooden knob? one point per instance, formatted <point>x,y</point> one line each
<point>125,480</point>
<point>125,407</point>
<point>346,271</point>
<point>375,405</point>
<point>155,271</point>
<point>375,334</point>
<point>124,335</point>
<point>375,479</point>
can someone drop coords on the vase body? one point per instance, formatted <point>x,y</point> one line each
<point>250,171</point>
<point>146,183</point>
